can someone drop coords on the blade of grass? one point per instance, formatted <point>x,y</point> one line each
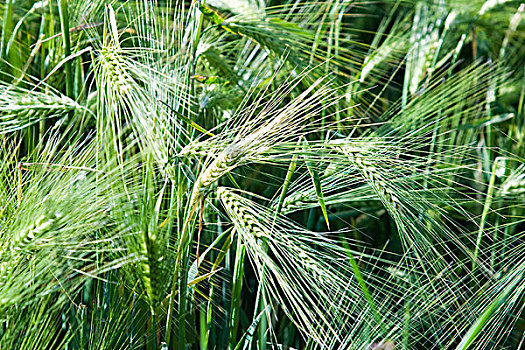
<point>364,288</point>
<point>486,209</point>
<point>248,335</point>
<point>7,27</point>
<point>287,180</point>
<point>238,272</point>
<point>488,312</point>
<point>314,173</point>
<point>64,25</point>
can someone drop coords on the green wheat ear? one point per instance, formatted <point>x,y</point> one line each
<point>29,236</point>
<point>226,161</point>
<point>289,255</point>
<point>111,65</point>
<point>369,171</point>
<point>154,270</point>
<point>250,223</point>
<point>21,108</point>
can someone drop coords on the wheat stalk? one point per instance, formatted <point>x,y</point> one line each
<point>292,263</point>
<point>234,206</point>
<point>266,131</point>
<point>21,108</point>
<point>29,236</point>
<point>111,64</point>
<point>154,269</point>
<point>373,175</point>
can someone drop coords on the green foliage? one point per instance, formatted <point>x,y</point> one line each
<point>255,174</point>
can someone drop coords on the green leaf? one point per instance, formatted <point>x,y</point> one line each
<point>486,315</point>
<point>248,335</point>
<point>288,179</point>
<point>314,173</point>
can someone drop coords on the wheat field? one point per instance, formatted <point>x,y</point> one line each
<point>262,174</point>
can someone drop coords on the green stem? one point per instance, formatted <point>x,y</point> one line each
<point>488,313</point>
<point>7,27</point>
<point>194,48</point>
<point>364,288</point>
<point>486,208</point>
<point>152,333</point>
<point>64,25</point>
<point>238,272</point>
<point>262,306</point>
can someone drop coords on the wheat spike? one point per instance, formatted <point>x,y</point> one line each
<point>32,234</point>
<point>5,269</point>
<point>268,129</point>
<point>111,60</point>
<point>24,243</point>
<point>297,200</point>
<point>20,108</point>
<point>249,222</point>
<point>154,269</point>
<point>219,167</point>
<point>370,172</point>
<point>111,63</point>
<point>292,263</point>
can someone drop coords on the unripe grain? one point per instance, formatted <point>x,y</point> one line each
<point>245,218</point>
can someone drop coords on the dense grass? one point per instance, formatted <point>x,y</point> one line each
<point>262,174</point>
